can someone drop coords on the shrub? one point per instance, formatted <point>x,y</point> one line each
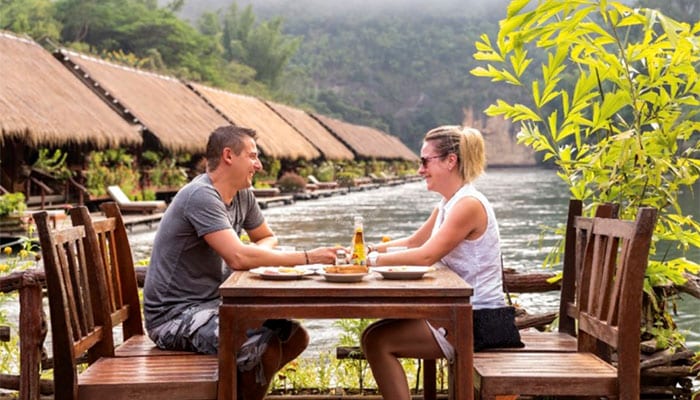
<point>346,179</point>
<point>12,202</point>
<point>291,182</point>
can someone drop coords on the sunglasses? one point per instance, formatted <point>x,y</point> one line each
<point>424,160</point>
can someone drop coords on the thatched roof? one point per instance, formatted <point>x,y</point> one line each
<point>276,138</point>
<point>367,142</point>
<point>311,129</point>
<point>42,104</point>
<point>406,153</point>
<point>179,119</point>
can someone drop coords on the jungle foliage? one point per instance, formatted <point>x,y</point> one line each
<point>228,49</point>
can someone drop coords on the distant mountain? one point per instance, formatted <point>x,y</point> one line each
<point>399,65</point>
<point>345,9</point>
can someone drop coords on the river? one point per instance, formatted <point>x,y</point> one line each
<point>525,200</point>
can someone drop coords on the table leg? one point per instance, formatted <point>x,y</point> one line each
<point>462,386</point>
<point>233,323</point>
<point>227,365</point>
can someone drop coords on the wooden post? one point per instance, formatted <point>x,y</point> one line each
<point>32,327</point>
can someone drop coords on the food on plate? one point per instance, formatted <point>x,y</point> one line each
<point>345,269</point>
<point>283,270</point>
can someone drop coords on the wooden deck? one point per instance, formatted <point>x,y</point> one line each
<point>265,202</point>
<point>130,220</point>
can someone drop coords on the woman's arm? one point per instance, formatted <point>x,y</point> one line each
<point>466,220</point>
<point>416,239</point>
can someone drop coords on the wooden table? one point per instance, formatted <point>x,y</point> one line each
<point>441,296</point>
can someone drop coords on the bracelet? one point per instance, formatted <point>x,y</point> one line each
<point>306,256</point>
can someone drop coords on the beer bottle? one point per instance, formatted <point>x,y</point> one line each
<point>359,255</point>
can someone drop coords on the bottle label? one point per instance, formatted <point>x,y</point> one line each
<point>359,256</point>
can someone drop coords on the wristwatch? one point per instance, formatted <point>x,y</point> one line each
<point>372,258</point>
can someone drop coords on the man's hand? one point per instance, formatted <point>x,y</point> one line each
<point>322,255</point>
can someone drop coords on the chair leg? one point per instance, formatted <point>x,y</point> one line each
<point>429,380</point>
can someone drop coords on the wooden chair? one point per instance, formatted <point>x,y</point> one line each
<point>79,325</point>
<point>116,261</point>
<point>564,339</point>
<point>609,314</point>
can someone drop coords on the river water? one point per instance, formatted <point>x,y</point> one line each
<point>525,200</point>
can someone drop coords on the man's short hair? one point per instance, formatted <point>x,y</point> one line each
<point>226,136</point>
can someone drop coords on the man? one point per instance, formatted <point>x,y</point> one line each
<point>199,230</point>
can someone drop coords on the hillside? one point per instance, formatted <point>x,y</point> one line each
<point>401,66</point>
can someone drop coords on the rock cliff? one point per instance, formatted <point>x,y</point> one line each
<point>502,149</point>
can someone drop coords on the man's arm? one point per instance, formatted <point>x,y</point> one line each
<point>263,236</point>
<point>239,256</point>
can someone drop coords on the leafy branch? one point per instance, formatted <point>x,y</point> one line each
<point>614,104</point>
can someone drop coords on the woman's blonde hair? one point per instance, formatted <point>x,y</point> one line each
<point>466,143</point>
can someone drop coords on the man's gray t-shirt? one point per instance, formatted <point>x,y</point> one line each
<point>184,270</point>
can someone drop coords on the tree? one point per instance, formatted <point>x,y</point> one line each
<point>263,46</point>
<point>139,27</point>
<point>33,17</point>
<point>627,129</point>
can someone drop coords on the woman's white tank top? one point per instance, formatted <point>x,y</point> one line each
<point>477,261</point>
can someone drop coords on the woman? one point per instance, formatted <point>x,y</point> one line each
<point>462,233</point>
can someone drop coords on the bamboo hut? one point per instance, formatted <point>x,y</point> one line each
<point>276,138</point>
<point>43,106</point>
<point>327,144</point>
<point>174,118</point>
<point>366,142</point>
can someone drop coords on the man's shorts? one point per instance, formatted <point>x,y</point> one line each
<point>194,329</point>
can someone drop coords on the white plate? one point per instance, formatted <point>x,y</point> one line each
<point>357,277</point>
<point>403,272</point>
<point>280,273</point>
<point>313,268</point>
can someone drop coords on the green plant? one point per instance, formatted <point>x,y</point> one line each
<point>304,168</point>
<point>325,172</point>
<point>351,336</point>
<point>271,168</point>
<point>12,203</point>
<point>291,183</point>
<point>148,194</point>
<point>53,164</point>
<point>262,185</point>
<point>163,171</point>
<point>615,106</point>
<point>346,178</point>
<point>307,373</point>
<point>111,167</point>
<point>24,258</point>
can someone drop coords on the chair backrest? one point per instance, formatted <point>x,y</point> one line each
<point>117,265</point>
<point>574,239</point>
<point>610,293</point>
<point>77,326</point>
<point>118,194</point>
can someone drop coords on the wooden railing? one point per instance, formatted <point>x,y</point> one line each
<point>33,329</point>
